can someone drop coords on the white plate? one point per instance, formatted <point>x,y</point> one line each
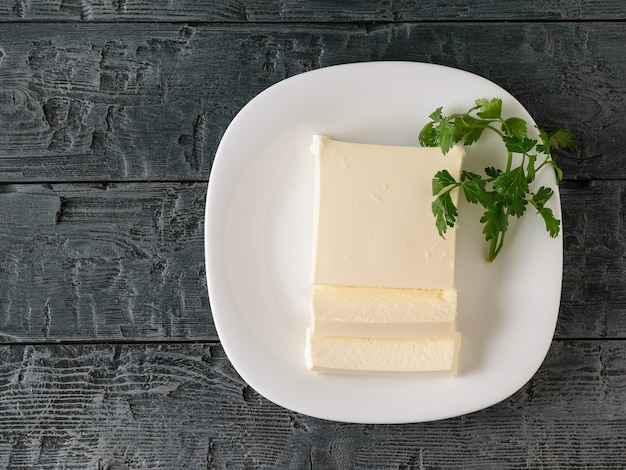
<point>259,234</point>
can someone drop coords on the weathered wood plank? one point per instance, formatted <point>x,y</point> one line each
<point>126,261</point>
<point>318,10</point>
<point>593,301</point>
<point>103,261</point>
<point>183,406</point>
<point>143,101</point>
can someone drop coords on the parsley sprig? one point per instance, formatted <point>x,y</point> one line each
<point>502,193</point>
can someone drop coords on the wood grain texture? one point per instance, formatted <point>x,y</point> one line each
<point>120,102</point>
<point>298,10</point>
<point>125,261</point>
<point>183,406</point>
<point>103,261</point>
<point>593,301</point>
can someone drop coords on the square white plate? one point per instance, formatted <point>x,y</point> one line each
<point>258,229</point>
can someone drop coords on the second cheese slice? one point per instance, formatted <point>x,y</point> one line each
<point>383,312</point>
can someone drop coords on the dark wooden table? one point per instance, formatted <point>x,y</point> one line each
<point>110,116</point>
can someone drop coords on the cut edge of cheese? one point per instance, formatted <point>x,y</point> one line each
<point>382,356</point>
<point>316,145</point>
<point>383,312</point>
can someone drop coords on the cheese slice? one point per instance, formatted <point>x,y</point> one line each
<point>374,225</point>
<point>382,356</point>
<point>383,312</point>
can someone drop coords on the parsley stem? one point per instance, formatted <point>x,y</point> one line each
<point>495,246</point>
<point>496,130</point>
<point>544,163</point>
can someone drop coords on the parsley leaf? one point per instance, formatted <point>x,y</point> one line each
<point>496,224</point>
<point>474,191</point>
<point>441,181</point>
<point>563,139</point>
<point>542,196</point>
<point>539,200</point>
<point>517,145</point>
<point>552,223</point>
<point>489,109</point>
<point>445,212</point>
<point>503,193</point>
<point>515,127</point>
<point>512,187</point>
<point>438,133</point>
<point>493,172</point>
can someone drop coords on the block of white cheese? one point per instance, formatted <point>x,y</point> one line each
<point>382,356</point>
<point>374,225</point>
<point>383,312</point>
<point>383,299</point>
